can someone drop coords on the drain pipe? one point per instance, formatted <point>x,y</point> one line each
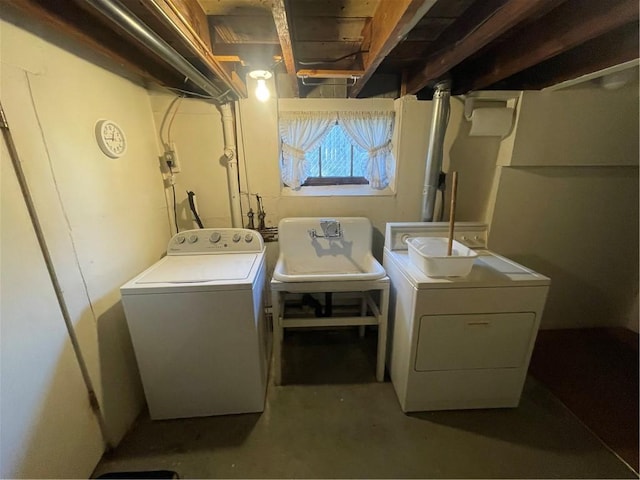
<point>232,163</point>
<point>439,122</point>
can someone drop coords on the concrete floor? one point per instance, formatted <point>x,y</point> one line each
<point>332,420</point>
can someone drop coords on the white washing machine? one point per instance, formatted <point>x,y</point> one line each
<point>460,342</point>
<point>198,327</point>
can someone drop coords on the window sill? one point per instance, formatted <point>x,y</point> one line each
<point>338,191</point>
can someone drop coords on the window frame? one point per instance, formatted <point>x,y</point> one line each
<point>323,181</point>
<point>345,105</point>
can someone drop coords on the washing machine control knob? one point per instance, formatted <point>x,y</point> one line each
<point>193,239</point>
<point>236,237</point>
<point>215,237</point>
<point>180,239</point>
<point>248,238</point>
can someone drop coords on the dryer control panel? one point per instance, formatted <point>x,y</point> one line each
<point>470,234</point>
<point>215,240</point>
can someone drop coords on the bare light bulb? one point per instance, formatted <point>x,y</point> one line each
<point>262,91</point>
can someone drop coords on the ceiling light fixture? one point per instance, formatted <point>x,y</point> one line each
<point>262,91</point>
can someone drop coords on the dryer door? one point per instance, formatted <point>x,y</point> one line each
<point>474,341</point>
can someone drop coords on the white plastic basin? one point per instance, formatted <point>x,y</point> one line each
<point>304,258</point>
<point>429,254</point>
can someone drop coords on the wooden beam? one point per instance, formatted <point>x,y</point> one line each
<point>505,17</point>
<point>613,48</point>
<point>391,22</point>
<point>227,58</point>
<point>403,83</point>
<point>169,14</point>
<point>63,22</point>
<point>279,13</point>
<point>555,33</point>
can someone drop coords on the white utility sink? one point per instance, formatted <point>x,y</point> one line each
<point>316,249</point>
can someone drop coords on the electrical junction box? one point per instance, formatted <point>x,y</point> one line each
<point>171,158</point>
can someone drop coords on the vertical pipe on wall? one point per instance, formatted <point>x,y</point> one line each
<point>232,163</point>
<point>439,122</point>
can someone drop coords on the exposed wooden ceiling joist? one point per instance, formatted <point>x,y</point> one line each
<point>507,44</point>
<point>553,34</point>
<point>74,24</point>
<point>391,22</point>
<point>508,15</point>
<point>279,12</point>
<point>613,48</point>
<point>167,16</point>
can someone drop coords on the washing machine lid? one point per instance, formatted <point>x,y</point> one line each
<point>198,273</point>
<point>200,269</point>
<point>489,270</point>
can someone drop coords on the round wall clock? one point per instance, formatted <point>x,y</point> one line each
<point>110,138</point>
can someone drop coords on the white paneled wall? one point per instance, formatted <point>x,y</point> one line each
<point>566,202</point>
<point>105,220</point>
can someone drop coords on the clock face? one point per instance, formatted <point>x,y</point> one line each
<point>110,138</point>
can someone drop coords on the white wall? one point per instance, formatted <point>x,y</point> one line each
<point>474,158</point>
<point>259,144</point>
<point>196,131</point>
<point>41,436</point>
<point>104,219</point>
<point>566,202</point>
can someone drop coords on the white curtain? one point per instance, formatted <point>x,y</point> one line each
<point>301,132</point>
<point>372,131</point>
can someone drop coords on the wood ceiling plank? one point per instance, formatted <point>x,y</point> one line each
<point>236,7</point>
<point>193,14</point>
<point>429,29</point>
<point>450,8</point>
<point>245,29</point>
<point>247,51</point>
<point>551,35</point>
<point>279,12</point>
<point>329,29</point>
<point>392,21</point>
<point>312,51</point>
<point>613,48</point>
<point>473,16</point>
<point>411,50</point>
<point>333,8</point>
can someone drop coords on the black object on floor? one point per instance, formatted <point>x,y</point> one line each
<point>143,474</point>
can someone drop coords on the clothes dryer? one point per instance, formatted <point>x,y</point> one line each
<point>460,342</point>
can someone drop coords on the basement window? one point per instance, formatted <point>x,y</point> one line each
<point>336,161</point>
<point>336,152</point>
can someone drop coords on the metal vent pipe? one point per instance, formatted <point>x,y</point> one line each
<point>135,28</point>
<point>439,121</point>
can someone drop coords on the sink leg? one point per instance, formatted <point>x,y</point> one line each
<point>328,304</point>
<point>382,334</point>
<point>277,337</point>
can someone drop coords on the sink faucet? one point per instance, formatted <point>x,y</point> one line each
<point>330,229</point>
